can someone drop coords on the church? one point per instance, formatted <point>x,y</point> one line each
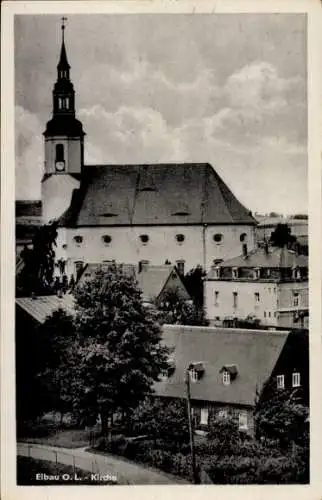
<point>183,214</point>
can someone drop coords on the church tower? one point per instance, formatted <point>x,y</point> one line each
<point>64,144</point>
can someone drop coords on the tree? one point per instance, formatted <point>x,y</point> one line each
<point>163,420</point>
<point>282,237</point>
<point>193,282</point>
<point>60,360</point>
<point>281,415</point>
<point>174,310</point>
<point>118,346</point>
<point>39,261</point>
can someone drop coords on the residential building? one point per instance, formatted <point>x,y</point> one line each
<point>267,284</point>
<point>232,368</point>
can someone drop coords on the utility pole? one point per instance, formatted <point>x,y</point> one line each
<point>191,434</point>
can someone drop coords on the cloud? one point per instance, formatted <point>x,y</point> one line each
<point>29,154</point>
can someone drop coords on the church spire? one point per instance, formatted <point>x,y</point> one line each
<point>63,67</point>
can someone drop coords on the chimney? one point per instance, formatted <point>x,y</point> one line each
<point>245,254</point>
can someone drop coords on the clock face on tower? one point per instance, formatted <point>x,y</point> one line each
<point>60,166</point>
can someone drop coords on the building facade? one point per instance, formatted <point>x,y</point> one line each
<point>269,285</point>
<point>179,213</point>
<point>231,369</point>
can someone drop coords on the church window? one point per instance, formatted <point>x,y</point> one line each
<point>60,102</point>
<point>107,239</point>
<point>235,300</point>
<point>59,152</point>
<point>216,298</point>
<point>218,238</point>
<point>67,102</point>
<point>144,238</point>
<point>180,238</point>
<point>78,239</point>
<point>243,237</point>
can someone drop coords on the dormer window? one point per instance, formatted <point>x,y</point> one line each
<point>229,373</point>
<point>196,371</point>
<point>106,239</point>
<point>217,272</point>
<point>234,272</point>
<point>257,273</point>
<point>280,382</point>
<point>218,238</point>
<point>144,239</point>
<point>78,240</point>
<point>225,377</point>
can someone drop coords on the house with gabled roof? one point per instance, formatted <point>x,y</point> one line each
<point>230,369</point>
<point>269,284</point>
<point>155,282</point>
<point>184,213</point>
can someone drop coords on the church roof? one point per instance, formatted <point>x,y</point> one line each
<point>175,194</point>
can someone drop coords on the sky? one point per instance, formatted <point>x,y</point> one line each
<point>228,89</point>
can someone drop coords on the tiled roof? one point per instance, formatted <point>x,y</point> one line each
<point>253,352</point>
<point>153,194</point>
<point>275,258</point>
<point>41,307</point>
<point>151,280</point>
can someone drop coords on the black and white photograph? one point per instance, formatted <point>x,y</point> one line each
<point>161,249</point>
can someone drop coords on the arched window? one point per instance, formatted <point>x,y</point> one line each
<point>59,152</point>
<point>243,237</point>
<point>60,102</point>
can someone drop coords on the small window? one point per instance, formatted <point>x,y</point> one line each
<point>256,273</point>
<point>296,379</point>
<point>78,239</point>
<point>204,414</point>
<point>144,238</point>
<point>269,314</point>
<point>107,239</point>
<point>218,238</point>
<point>264,314</point>
<point>243,421</point>
<point>180,266</point>
<point>235,300</point>
<point>296,299</point>
<point>235,273</point>
<point>78,267</point>
<point>180,238</point>
<point>225,377</point>
<point>59,152</point>
<point>243,237</point>
<point>257,298</point>
<point>67,102</point>
<point>280,381</point>
<point>193,375</point>
<point>216,298</point>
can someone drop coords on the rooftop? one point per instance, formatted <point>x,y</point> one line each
<point>41,307</point>
<point>189,193</point>
<point>254,353</point>
<point>273,258</point>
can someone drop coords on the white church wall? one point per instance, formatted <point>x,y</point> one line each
<point>126,245</point>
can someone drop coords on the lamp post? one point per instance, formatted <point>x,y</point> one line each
<point>191,434</point>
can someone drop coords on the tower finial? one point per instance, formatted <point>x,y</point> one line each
<point>63,25</point>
